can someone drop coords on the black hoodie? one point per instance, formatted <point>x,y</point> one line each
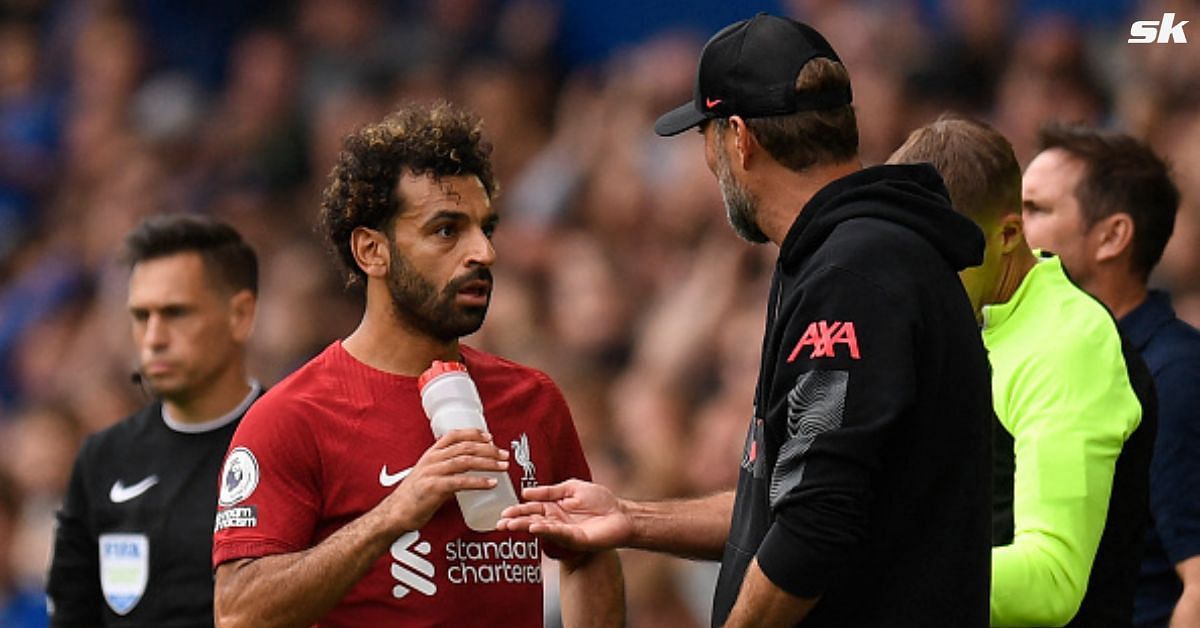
<point>866,479</point>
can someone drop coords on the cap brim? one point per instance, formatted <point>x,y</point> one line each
<point>679,120</point>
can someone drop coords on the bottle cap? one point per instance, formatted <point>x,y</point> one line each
<point>437,369</point>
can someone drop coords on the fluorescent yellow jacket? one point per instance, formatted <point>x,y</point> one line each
<point>1061,390</point>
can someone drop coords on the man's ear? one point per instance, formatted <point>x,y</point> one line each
<point>371,251</point>
<point>743,141</point>
<point>1114,236</point>
<point>242,307</point>
<point>1011,234</point>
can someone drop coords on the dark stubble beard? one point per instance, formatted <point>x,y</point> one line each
<point>740,206</point>
<point>418,303</point>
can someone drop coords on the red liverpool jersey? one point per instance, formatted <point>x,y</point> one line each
<point>333,439</point>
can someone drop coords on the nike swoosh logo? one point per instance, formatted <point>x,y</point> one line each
<point>712,102</point>
<point>120,493</point>
<point>389,480</point>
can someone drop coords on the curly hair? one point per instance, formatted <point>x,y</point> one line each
<point>440,140</point>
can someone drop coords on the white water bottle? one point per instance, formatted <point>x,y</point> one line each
<point>452,403</point>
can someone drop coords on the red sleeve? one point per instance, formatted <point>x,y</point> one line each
<point>270,489</point>
<point>569,461</point>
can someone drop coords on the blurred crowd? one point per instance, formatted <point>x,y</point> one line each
<point>617,274</point>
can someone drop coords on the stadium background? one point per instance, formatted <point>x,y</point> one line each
<point>617,273</point>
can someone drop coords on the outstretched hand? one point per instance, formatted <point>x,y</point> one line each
<point>574,514</point>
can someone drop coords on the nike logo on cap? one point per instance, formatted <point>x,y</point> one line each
<point>711,102</point>
<point>121,493</point>
<point>389,480</point>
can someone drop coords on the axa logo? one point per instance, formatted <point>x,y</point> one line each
<point>823,338</point>
<point>1163,31</point>
<point>411,570</point>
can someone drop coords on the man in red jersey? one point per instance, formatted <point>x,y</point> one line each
<point>335,505</point>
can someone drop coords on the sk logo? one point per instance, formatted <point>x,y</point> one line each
<point>1166,31</point>
<point>411,569</point>
<point>823,337</point>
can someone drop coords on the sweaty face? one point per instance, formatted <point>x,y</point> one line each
<point>439,275</point>
<point>182,326</point>
<point>740,206</point>
<point>1053,219</point>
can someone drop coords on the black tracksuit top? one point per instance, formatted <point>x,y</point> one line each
<point>866,478</point>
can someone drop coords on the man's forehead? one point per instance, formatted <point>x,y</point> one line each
<point>172,278</point>
<point>1055,165</point>
<point>428,191</point>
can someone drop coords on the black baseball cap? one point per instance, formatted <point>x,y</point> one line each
<point>749,69</point>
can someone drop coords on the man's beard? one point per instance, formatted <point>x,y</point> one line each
<point>417,302</point>
<point>740,206</point>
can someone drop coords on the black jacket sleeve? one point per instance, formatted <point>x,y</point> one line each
<point>843,380</point>
<point>73,586</point>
